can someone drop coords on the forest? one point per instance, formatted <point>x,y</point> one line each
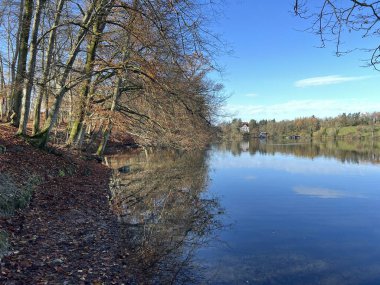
<point>352,125</point>
<point>75,72</point>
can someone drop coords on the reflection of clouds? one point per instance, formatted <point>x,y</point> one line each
<point>319,192</point>
<point>292,164</point>
<point>250,177</point>
<point>324,193</point>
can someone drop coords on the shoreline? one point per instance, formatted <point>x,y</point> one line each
<point>67,233</point>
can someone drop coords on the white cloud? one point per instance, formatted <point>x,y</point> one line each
<point>252,95</point>
<point>327,80</point>
<point>303,108</point>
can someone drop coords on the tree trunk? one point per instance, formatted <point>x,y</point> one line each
<point>3,93</point>
<point>92,46</point>
<point>17,50</point>
<point>116,96</point>
<point>49,56</point>
<point>105,138</point>
<point>115,99</point>
<point>44,134</point>
<point>28,85</point>
<point>21,63</point>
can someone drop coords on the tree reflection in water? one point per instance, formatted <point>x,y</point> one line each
<point>345,151</point>
<point>165,214</point>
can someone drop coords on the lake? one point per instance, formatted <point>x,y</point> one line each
<point>251,212</point>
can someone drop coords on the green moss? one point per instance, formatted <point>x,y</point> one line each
<point>13,196</point>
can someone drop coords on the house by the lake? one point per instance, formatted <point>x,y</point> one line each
<point>244,128</point>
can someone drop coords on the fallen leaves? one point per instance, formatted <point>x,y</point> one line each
<point>68,233</point>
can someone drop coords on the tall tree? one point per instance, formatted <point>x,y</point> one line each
<point>22,59</point>
<point>3,95</point>
<point>28,81</point>
<point>103,8</point>
<point>63,85</point>
<point>47,67</point>
<point>17,44</point>
<point>136,66</point>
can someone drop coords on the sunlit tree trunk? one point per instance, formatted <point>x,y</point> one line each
<point>16,52</point>
<point>49,56</point>
<point>28,85</point>
<point>21,63</point>
<point>3,93</point>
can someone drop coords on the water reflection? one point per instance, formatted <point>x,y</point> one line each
<point>345,151</point>
<point>324,193</point>
<point>303,213</point>
<point>300,214</point>
<point>164,213</point>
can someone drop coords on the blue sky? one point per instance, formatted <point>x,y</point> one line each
<point>278,71</point>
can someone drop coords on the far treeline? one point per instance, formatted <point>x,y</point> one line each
<point>76,71</point>
<point>345,126</point>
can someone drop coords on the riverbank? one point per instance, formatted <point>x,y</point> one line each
<point>349,133</point>
<point>67,233</point>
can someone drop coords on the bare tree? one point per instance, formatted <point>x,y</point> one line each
<point>63,85</point>
<point>47,67</point>
<point>17,86</point>
<point>3,96</point>
<point>103,8</point>
<point>137,66</point>
<point>334,20</point>
<point>28,81</point>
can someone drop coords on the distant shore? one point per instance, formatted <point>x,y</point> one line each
<point>362,132</point>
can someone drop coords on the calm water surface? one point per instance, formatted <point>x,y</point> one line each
<point>251,213</point>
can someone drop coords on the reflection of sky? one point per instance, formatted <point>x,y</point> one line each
<point>291,164</point>
<point>323,192</point>
<point>250,177</point>
<point>295,220</point>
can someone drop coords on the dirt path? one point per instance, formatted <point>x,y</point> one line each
<point>67,235</point>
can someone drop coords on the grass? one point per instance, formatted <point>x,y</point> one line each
<point>350,132</point>
<point>13,196</point>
